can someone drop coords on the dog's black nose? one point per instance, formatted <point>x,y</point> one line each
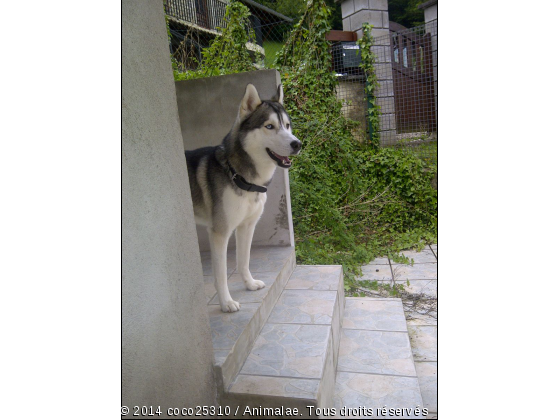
<point>296,145</point>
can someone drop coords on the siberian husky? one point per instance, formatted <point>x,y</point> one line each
<point>228,182</point>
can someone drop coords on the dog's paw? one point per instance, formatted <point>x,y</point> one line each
<point>254,285</point>
<point>230,306</point>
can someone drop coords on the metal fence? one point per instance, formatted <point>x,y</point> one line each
<point>406,68</point>
<point>195,23</point>
<point>406,71</point>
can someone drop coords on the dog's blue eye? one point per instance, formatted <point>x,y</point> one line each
<point>269,126</point>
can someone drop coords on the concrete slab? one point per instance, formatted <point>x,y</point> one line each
<point>311,277</point>
<point>375,352</point>
<point>227,327</point>
<point>427,377</point>
<point>278,387</point>
<point>268,258</point>
<point>304,307</point>
<point>427,287</point>
<point>379,261</point>
<point>434,248</point>
<point>296,351</point>
<point>239,291</point>
<point>234,333</point>
<point>415,318</point>
<point>206,260</point>
<point>427,271</point>
<point>263,259</point>
<point>423,339</point>
<point>209,289</point>
<point>370,391</point>
<point>297,347</point>
<point>376,272</point>
<point>374,314</point>
<point>328,277</point>
<point>424,256</point>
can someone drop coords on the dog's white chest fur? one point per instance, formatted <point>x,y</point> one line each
<point>238,209</point>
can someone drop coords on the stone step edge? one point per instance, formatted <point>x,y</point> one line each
<point>413,377</point>
<point>228,370</point>
<point>326,384</point>
<point>322,398</point>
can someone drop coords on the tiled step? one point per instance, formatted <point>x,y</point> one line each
<point>234,333</point>
<point>293,360</point>
<point>376,367</point>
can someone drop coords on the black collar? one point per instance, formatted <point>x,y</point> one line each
<point>242,183</point>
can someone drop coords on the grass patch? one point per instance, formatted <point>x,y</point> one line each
<point>270,50</point>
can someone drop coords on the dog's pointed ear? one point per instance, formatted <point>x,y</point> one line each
<point>250,101</point>
<point>279,97</point>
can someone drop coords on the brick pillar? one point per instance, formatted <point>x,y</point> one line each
<point>375,12</point>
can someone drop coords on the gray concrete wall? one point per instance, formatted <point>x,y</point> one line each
<point>167,352</point>
<point>430,13</point>
<point>207,110</point>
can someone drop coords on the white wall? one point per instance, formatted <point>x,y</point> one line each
<point>167,352</point>
<point>207,109</point>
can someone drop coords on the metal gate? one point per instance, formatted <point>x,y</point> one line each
<point>413,80</point>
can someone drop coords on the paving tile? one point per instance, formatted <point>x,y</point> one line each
<point>304,307</point>
<point>209,289</point>
<point>206,260</point>
<point>379,261</point>
<point>315,277</point>
<point>422,257</point>
<point>374,314</point>
<point>268,259</point>
<point>427,271</point>
<point>376,272</point>
<point>280,387</point>
<point>262,259</point>
<point>423,340</point>
<point>354,390</point>
<point>427,287</point>
<point>239,292</point>
<point>434,248</point>
<point>416,318</point>
<point>227,327</point>
<point>427,377</point>
<point>376,352</point>
<point>290,350</point>
<point>327,383</point>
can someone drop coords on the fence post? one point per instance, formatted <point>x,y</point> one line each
<point>430,19</point>
<point>375,12</point>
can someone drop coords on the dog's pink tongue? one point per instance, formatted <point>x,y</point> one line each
<point>285,159</point>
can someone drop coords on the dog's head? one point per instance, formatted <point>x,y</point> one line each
<point>267,127</point>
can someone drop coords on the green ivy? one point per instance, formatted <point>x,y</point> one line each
<point>367,63</point>
<point>228,53</point>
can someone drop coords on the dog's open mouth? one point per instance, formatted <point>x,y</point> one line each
<point>282,161</point>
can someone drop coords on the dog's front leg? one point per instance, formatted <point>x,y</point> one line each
<point>243,238</point>
<point>218,246</point>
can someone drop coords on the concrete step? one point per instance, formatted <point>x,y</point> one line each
<point>234,333</point>
<point>293,360</point>
<point>376,367</point>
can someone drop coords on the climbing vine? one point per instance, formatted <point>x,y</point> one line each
<point>367,63</point>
